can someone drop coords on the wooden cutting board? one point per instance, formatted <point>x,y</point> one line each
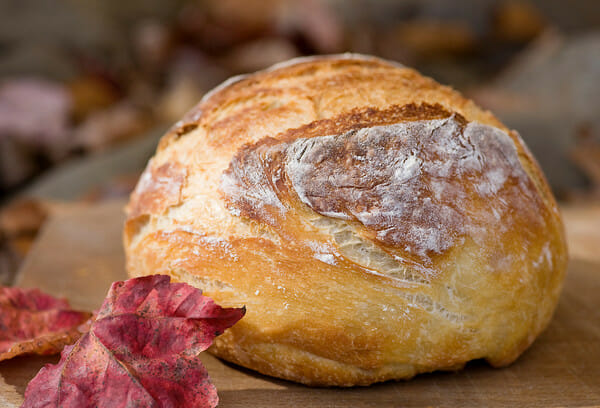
<point>78,255</point>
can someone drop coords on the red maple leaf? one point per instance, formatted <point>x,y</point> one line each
<point>32,322</point>
<point>141,351</point>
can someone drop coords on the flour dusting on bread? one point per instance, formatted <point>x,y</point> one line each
<point>413,184</point>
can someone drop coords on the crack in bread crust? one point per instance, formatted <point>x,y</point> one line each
<point>368,117</point>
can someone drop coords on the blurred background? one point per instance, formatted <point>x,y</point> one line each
<point>87,87</point>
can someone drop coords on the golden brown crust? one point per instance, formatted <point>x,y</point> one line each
<point>375,224</point>
<point>329,85</point>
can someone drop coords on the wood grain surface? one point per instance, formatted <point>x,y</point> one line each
<point>78,255</point>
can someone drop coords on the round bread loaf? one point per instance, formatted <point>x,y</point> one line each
<point>374,223</point>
